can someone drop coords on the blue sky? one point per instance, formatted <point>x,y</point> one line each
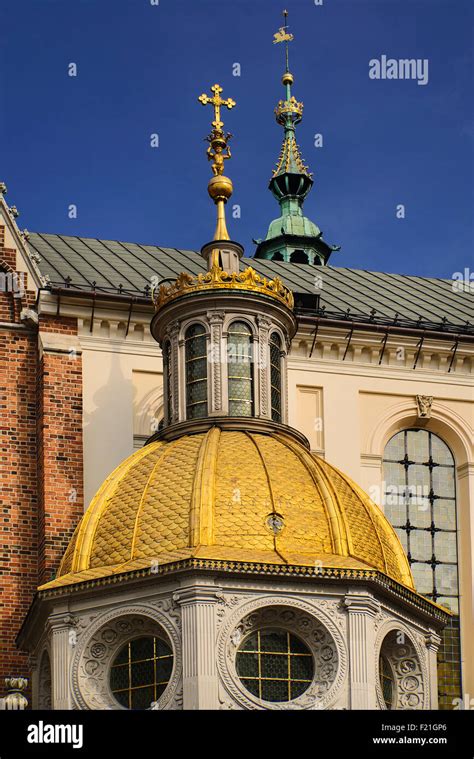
<point>141,67</point>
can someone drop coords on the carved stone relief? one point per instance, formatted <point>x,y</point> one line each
<point>408,667</point>
<point>101,642</point>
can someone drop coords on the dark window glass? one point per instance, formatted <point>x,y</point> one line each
<point>196,372</point>
<point>275,376</point>
<point>386,681</point>
<point>167,376</point>
<point>141,672</point>
<point>275,665</point>
<point>420,498</point>
<point>240,369</point>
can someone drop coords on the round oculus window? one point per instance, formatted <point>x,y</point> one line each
<point>275,665</point>
<point>141,671</point>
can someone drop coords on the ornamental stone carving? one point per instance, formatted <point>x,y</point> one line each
<point>408,666</point>
<point>303,619</point>
<point>423,405</point>
<point>102,641</point>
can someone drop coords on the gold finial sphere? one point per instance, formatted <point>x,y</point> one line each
<point>287,78</point>
<point>220,188</point>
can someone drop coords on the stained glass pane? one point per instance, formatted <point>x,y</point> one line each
<point>167,378</point>
<point>395,474</point>
<point>420,512</point>
<point>275,666</point>
<point>421,547</point>
<point>446,580</point>
<point>141,672</point>
<point>301,667</point>
<point>275,376</point>
<point>276,642</point>
<point>274,690</point>
<point>247,665</point>
<point>395,448</point>
<point>423,576</point>
<point>418,445</point>
<point>440,452</point>
<point>443,481</point>
<point>445,514</point>
<point>419,479</point>
<point>196,371</point>
<point>431,477</point>
<point>445,548</point>
<point>386,681</point>
<point>240,369</point>
<point>395,508</point>
<point>279,668</point>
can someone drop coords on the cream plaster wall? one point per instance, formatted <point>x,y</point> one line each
<point>122,381</point>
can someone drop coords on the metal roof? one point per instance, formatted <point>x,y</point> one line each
<point>110,266</point>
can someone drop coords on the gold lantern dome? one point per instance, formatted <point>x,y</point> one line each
<point>233,496</point>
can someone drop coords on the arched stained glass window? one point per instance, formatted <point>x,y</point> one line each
<point>275,375</point>
<point>240,369</point>
<point>196,371</point>
<point>420,502</point>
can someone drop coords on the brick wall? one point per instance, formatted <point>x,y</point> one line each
<point>60,458</point>
<point>18,481</point>
<point>41,464</point>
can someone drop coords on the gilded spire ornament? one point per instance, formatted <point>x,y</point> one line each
<point>288,113</point>
<point>220,187</point>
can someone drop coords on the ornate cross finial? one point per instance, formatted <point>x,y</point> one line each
<point>217,102</point>
<point>220,187</point>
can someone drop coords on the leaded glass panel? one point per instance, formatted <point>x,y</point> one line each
<point>275,376</point>
<point>196,371</point>
<point>141,672</point>
<point>427,530</point>
<point>240,369</point>
<point>275,665</point>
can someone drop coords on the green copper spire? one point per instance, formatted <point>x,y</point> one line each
<point>291,237</point>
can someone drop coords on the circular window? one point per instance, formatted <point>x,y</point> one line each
<point>275,665</point>
<point>386,681</point>
<point>141,672</point>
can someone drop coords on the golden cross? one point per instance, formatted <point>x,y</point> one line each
<point>217,102</point>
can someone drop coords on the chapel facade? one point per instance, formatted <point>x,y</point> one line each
<point>226,552</point>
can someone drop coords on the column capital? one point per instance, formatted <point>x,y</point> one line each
<point>197,594</point>
<point>361,603</point>
<point>432,641</point>
<point>216,317</point>
<point>62,621</point>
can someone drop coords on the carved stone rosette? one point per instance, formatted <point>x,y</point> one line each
<point>101,643</point>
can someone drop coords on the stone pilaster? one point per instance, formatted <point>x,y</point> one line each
<point>361,610</point>
<point>62,637</point>
<point>216,363</point>
<point>263,406</point>
<point>173,332</point>
<point>432,644</point>
<point>200,680</point>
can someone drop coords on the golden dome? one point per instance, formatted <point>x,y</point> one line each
<point>233,496</point>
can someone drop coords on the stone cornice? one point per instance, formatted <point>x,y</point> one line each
<point>377,581</point>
